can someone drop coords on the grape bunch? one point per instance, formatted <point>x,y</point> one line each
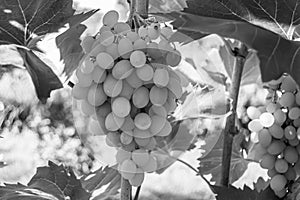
<point>276,129</point>
<point>127,87</point>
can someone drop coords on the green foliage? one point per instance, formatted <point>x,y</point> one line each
<point>24,23</point>
<point>229,193</point>
<point>264,26</point>
<point>211,161</point>
<point>51,182</point>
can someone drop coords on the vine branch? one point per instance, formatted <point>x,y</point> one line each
<point>230,127</point>
<point>125,189</point>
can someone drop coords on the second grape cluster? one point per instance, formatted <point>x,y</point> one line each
<point>276,129</point>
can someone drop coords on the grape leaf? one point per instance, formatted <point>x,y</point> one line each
<point>63,178</point>
<point>21,20</point>
<point>264,26</point>
<point>204,103</point>
<point>166,5</point>
<point>22,192</point>
<point>41,74</point>
<point>100,178</point>
<point>69,41</point>
<point>229,193</point>
<point>251,71</point>
<point>211,162</point>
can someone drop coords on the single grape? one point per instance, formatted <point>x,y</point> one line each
<point>134,81</point>
<point>87,43</point>
<point>79,92</point>
<point>122,155</point>
<point>121,107</point>
<point>255,125</point>
<point>165,47</point>
<point>290,132</point>
<point>112,87</point>
<point>138,133</point>
<point>276,147</point>
<point>96,49</point>
<point>272,172</point>
<point>128,125</point>
<point>104,60</point>
<point>130,147</point>
<point>143,32</point>
<point>294,113</point>
<point>87,66</point>
<point>142,121</point>
<point>138,58</point>
<point>103,110</point>
<point>113,122</point>
<point>175,87</point>
<point>126,91</point>
<point>112,50</point>
<point>153,51</point>
<point>153,31</point>
<point>84,80</point>
<point>266,119</point>
<point>288,84</point>
<point>128,169</point>
<point>158,96</point>
<point>125,138</point>
<point>96,95</point>
<point>140,97</point>
<point>110,18</point>
<point>294,142</point>
<point>281,193</point>
<point>125,48</point>
<point>145,73</point>
<point>287,99</point>
<point>140,44</point>
<point>140,157</point>
<point>290,154</point>
<point>142,142</point>
<point>122,69</point>
<point>279,116</point>
<point>296,122</point>
<point>272,107</point>
<point>99,74</point>
<point>132,36</point>
<point>161,77</point>
<point>104,28</point>
<point>151,145</point>
<point>267,161</point>
<point>106,38</point>
<point>173,58</point>
<point>158,110</point>
<point>113,139</point>
<point>138,178</point>
<point>157,124</point>
<point>253,112</point>
<point>276,131</point>
<point>264,137</point>
<point>281,165</point>
<point>121,28</point>
<point>166,32</point>
<point>166,130</point>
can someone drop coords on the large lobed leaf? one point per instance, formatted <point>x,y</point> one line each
<point>25,22</point>
<point>52,182</point>
<point>211,161</point>
<point>265,26</point>
<point>229,193</point>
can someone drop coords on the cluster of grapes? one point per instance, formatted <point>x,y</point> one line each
<point>125,83</point>
<point>276,129</point>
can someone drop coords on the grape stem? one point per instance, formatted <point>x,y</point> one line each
<point>230,128</point>
<point>125,189</point>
